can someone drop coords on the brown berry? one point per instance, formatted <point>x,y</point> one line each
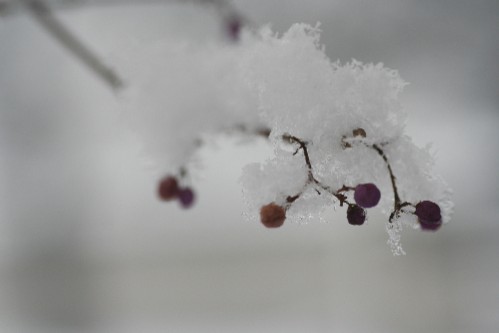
<point>359,132</point>
<point>272,215</point>
<point>168,188</point>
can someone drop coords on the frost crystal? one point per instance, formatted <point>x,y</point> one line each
<point>393,229</point>
<point>333,126</point>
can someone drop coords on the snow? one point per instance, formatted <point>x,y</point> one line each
<point>184,91</point>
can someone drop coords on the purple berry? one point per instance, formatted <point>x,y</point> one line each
<point>186,197</point>
<point>356,215</point>
<point>367,195</point>
<point>233,27</point>
<point>168,188</point>
<point>428,214</point>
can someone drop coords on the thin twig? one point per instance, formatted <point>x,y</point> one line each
<point>311,178</point>
<point>392,176</point>
<point>303,147</point>
<point>44,16</point>
<point>12,7</point>
<point>398,204</point>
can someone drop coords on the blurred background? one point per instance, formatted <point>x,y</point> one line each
<point>85,246</point>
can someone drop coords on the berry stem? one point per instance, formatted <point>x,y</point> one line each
<point>398,204</point>
<point>311,178</point>
<point>396,196</point>
<point>303,147</point>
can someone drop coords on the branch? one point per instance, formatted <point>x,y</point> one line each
<point>11,7</point>
<point>42,13</point>
<point>303,147</point>
<point>311,178</point>
<point>392,176</point>
<point>360,133</point>
<point>398,204</point>
<point>44,16</point>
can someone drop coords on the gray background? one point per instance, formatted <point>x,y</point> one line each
<point>86,247</point>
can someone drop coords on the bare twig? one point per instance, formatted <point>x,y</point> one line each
<point>380,151</point>
<point>311,178</point>
<point>10,7</point>
<point>41,10</point>
<point>44,16</point>
<point>361,133</point>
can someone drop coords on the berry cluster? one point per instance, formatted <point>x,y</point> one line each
<point>169,189</point>
<point>366,195</point>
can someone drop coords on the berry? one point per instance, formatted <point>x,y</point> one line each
<point>186,197</point>
<point>233,27</point>
<point>356,215</point>
<point>359,132</point>
<point>272,215</point>
<point>168,188</point>
<point>428,214</point>
<point>367,195</point>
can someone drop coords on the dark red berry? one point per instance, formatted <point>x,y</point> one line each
<point>233,27</point>
<point>272,215</point>
<point>367,195</point>
<point>356,215</point>
<point>428,214</point>
<point>168,188</point>
<point>186,197</point>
